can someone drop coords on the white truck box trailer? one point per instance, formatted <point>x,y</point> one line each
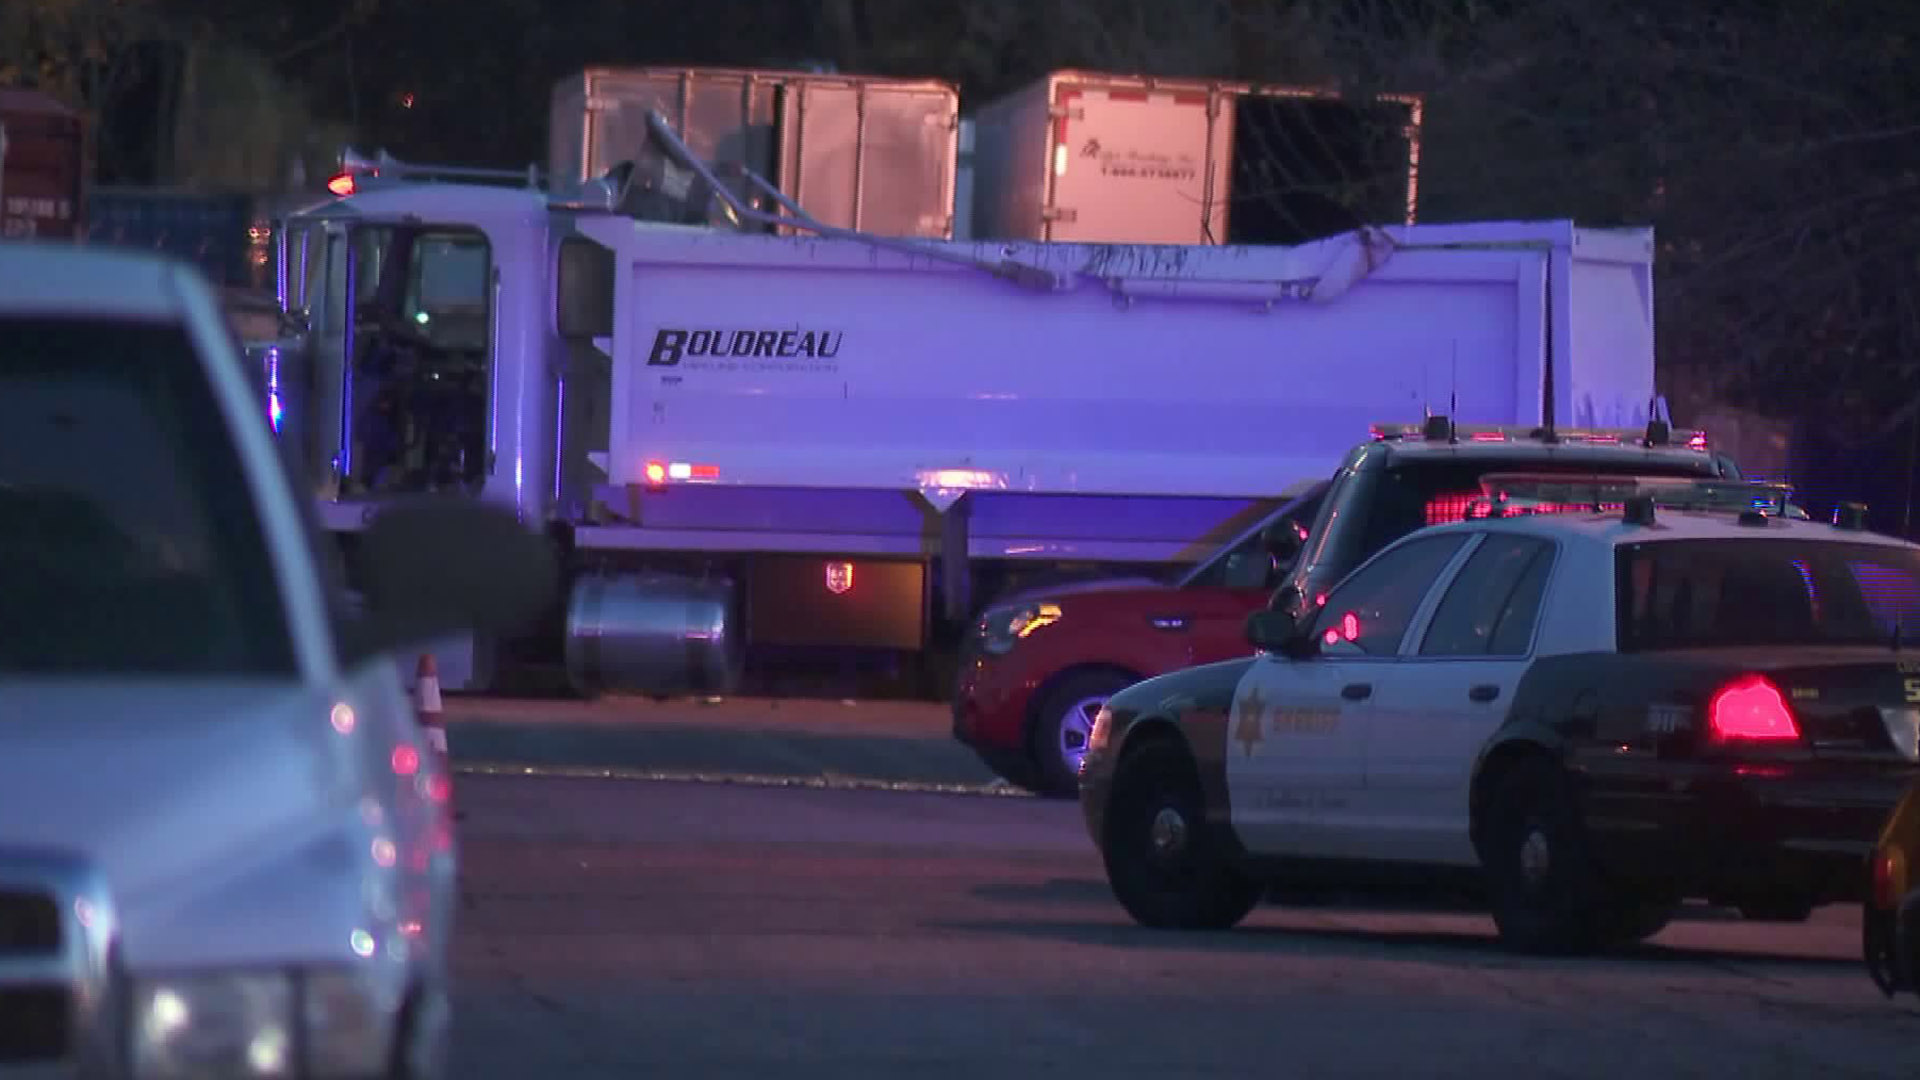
<point>751,444</point>
<point>1090,157</point>
<point>860,152</point>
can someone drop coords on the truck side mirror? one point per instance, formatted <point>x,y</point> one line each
<point>1285,598</point>
<point>1282,540</point>
<point>1279,632</point>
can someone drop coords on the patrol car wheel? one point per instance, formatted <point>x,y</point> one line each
<point>1540,874</point>
<point>1064,722</point>
<point>1163,864</point>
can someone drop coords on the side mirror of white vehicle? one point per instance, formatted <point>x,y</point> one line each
<point>437,567</point>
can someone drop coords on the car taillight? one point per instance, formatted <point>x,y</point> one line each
<point>1884,894</point>
<point>1751,709</point>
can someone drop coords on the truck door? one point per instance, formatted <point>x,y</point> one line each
<point>415,345</point>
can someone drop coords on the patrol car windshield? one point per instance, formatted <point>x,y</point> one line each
<point>1676,594</point>
<point>128,539</point>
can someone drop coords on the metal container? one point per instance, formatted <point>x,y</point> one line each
<point>1096,158</point>
<point>855,151</point>
<point>224,235</point>
<point>43,167</point>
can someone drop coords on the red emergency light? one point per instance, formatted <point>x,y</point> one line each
<point>341,185</point>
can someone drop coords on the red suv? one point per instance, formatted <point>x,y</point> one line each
<point>1027,697</point>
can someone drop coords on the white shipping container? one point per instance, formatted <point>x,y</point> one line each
<point>859,152</point>
<point>1084,157</point>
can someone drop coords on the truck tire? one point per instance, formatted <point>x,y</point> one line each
<point>1062,723</point>
<point>1164,865</point>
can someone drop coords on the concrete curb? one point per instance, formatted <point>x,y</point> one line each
<point>994,789</point>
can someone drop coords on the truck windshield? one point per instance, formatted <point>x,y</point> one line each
<point>129,542</point>
<point>1676,594</point>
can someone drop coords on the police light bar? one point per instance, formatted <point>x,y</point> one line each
<point>1514,492</point>
<point>1436,429</point>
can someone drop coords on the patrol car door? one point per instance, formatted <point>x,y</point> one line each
<point>1297,737</point>
<point>1452,693</point>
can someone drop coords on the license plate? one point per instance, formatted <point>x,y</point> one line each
<point>437,738</point>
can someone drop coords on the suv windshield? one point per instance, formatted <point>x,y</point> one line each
<point>128,538</point>
<point>1676,594</point>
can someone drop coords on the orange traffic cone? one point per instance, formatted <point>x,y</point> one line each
<point>426,699</point>
<point>426,706</point>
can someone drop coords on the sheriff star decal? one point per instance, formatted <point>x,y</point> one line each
<point>1249,711</point>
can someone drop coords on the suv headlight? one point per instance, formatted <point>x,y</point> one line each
<point>1002,628</point>
<point>257,1023</point>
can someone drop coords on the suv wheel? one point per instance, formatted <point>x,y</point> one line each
<point>1064,722</point>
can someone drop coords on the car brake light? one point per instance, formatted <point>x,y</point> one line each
<point>1751,708</point>
<point>1883,890</point>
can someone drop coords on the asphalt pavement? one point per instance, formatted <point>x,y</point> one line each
<point>821,916</point>
<point>826,742</point>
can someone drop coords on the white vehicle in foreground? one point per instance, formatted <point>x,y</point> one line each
<point>224,843</point>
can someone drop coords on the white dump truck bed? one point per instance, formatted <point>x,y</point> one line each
<point>1215,371</point>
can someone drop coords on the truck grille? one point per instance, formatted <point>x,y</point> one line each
<point>59,994</point>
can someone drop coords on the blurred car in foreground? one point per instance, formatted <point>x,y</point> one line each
<point>224,848</point>
<point>1586,716</point>
<point>1039,665</point>
<point>1890,925</point>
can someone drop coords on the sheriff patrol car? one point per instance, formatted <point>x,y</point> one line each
<point>1592,715</point>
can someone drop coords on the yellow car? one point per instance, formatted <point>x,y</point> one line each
<point>1891,928</point>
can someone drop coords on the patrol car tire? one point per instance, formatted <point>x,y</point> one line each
<point>1546,891</point>
<point>1193,886</point>
<point>1046,744</point>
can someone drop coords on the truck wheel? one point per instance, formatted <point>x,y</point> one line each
<point>1163,864</point>
<point>1546,892</point>
<point>1063,723</point>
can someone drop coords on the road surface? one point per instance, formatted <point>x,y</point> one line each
<point>627,927</point>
